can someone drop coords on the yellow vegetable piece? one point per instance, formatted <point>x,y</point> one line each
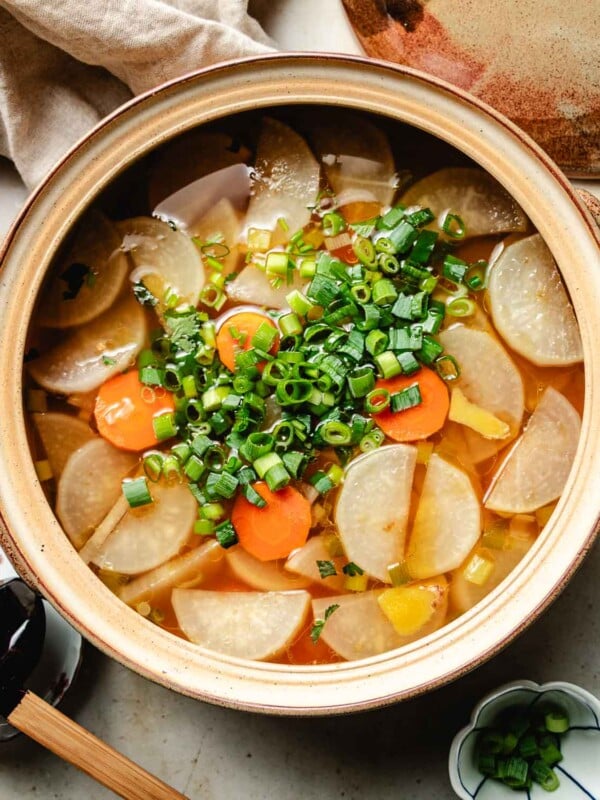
<point>259,239</point>
<point>410,608</point>
<point>356,583</point>
<point>478,570</point>
<point>478,419</point>
<point>424,451</point>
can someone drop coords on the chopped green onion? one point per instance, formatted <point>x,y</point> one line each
<point>213,297</point>
<point>430,351</point>
<point>212,511</point>
<point>252,496</point>
<point>204,527</point>
<point>556,721</point>
<point>454,268</point>
<point>384,292</point>
<point>333,223</point>
<point>361,381</point>
<point>423,247</point>
<point>364,250</point>
<point>226,534</point>
<point>335,432</point>
<point>164,426</point>
<point>136,491</point>
<point>403,236</point>
<point>277,477</point>
<point>212,398</point>
<point>290,325</point>
<point>406,398</point>
<point>265,336</point>
<point>299,304</point>
<point>322,482</point>
<point>461,307</point>
<point>377,400</point>
<point>476,276</point>
<point>294,461</point>
<point>371,441</point>
<point>408,362</point>
<point>388,364</point>
<point>376,342</point>
<point>546,777</point>
<point>194,468</point>
<point>258,444</point>
<point>153,466</point>
<point>388,264</point>
<point>453,226</point>
<point>222,484</point>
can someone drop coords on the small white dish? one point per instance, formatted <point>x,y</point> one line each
<point>578,772</point>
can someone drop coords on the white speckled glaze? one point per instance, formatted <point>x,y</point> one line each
<point>32,535</point>
<point>578,771</point>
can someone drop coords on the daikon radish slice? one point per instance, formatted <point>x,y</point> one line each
<point>536,469</point>
<point>192,567</point>
<point>165,260</point>
<point>189,158</point>
<point>147,537</point>
<point>530,306</point>
<point>482,203</point>
<point>496,387</point>
<point>89,487</point>
<point>447,523</point>
<point>221,223</point>
<point>95,352</point>
<point>303,561</point>
<point>464,594</point>
<point>266,576</point>
<point>61,436</point>
<point>373,505</point>
<point>88,278</point>
<point>357,158</point>
<point>253,625</point>
<point>286,182</point>
<point>252,285</point>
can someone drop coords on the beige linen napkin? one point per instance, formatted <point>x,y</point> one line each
<point>65,64</point>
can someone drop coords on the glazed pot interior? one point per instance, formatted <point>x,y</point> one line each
<point>454,129</point>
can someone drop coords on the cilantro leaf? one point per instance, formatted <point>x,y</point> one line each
<point>352,569</point>
<point>143,295</point>
<point>326,569</point>
<point>317,628</point>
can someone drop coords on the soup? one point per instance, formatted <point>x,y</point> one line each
<point>315,406</point>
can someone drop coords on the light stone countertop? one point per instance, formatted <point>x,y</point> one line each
<point>211,753</point>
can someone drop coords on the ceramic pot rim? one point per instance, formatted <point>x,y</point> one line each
<point>36,542</point>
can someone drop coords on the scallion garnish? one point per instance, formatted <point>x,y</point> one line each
<point>136,491</point>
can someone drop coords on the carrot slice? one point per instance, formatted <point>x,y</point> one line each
<point>125,409</point>
<point>244,325</point>
<point>278,528</point>
<point>420,421</point>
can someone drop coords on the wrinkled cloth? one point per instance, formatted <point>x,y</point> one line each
<point>65,64</point>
